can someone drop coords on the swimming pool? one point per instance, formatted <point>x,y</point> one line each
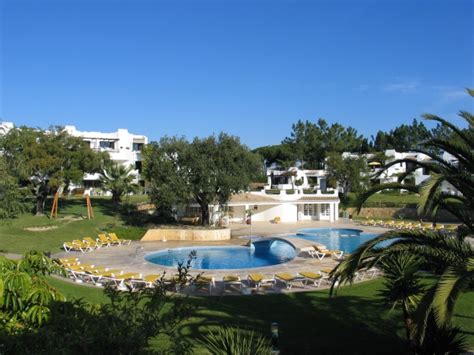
<point>260,253</point>
<point>343,239</point>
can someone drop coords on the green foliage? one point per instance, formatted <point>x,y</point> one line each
<point>310,142</point>
<point>12,198</point>
<point>236,341</point>
<point>205,171</point>
<point>272,192</point>
<point>127,232</point>
<point>125,324</point>
<point>349,173</point>
<point>45,160</point>
<point>401,280</point>
<point>25,296</point>
<point>118,179</point>
<point>402,138</point>
<point>435,252</point>
<point>282,155</point>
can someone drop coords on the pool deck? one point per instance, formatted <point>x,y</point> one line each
<point>131,258</point>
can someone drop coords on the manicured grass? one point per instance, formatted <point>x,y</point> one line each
<point>386,200</point>
<point>71,224</point>
<point>392,200</point>
<point>355,322</point>
<point>92,295</point>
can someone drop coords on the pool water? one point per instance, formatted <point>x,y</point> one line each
<point>260,253</point>
<point>346,240</point>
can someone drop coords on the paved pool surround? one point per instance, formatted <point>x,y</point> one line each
<point>131,258</point>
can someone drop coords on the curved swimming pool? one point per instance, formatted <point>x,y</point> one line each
<point>260,253</point>
<point>343,239</point>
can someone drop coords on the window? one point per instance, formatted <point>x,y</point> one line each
<point>312,180</point>
<point>107,144</point>
<point>138,166</point>
<point>137,147</point>
<point>325,209</point>
<point>310,210</point>
<point>193,211</point>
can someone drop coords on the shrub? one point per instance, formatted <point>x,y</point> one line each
<point>290,192</point>
<point>309,191</point>
<point>127,232</point>
<point>233,340</point>
<point>272,192</point>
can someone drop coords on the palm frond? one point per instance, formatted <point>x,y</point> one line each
<point>453,281</point>
<point>451,126</point>
<point>429,192</point>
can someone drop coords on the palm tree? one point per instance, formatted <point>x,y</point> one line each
<point>402,286</point>
<point>452,257</point>
<point>118,179</point>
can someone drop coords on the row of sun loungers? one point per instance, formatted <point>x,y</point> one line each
<point>101,276</point>
<point>89,244</point>
<point>405,225</point>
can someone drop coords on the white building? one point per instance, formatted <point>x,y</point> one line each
<point>289,196</point>
<point>123,147</point>
<point>5,127</point>
<point>392,173</point>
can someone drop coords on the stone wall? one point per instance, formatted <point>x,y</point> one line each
<point>399,213</point>
<point>186,234</point>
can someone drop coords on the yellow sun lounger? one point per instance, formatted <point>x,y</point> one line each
<point>313,277</point>
<point>76,246</point>
<point>288,279</point>
<point>232,280</point>
<point>113,237</point>
<point>102,238</point>
<point>91,242</point>
<point>204,281</point>
<point>259,281</point>
<point>69,261</point>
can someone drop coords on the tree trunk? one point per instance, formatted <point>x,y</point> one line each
<point>204,213</point>
<point>409,327</point>
<point>116,199</point>
<point>40,202</point>
<point>41,192</point>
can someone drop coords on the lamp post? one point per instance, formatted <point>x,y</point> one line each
<point>274,330</point>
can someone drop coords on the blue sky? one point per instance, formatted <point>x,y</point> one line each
<point>249,68</point>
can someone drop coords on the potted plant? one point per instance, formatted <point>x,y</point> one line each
<point>248,216</point>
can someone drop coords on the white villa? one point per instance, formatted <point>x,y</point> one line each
<point>392,173</point>
<point>289,196</point>
<point>123,147</point>
<point>5,127</point>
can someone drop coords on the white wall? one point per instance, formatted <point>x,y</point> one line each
<point>287,213</point>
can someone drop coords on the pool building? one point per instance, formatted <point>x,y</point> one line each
<point>288,196</point>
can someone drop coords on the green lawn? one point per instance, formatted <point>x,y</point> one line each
<point>392,200</point>
<point>355,322</point>
<point>71,224</point>
<point>396,200</point>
